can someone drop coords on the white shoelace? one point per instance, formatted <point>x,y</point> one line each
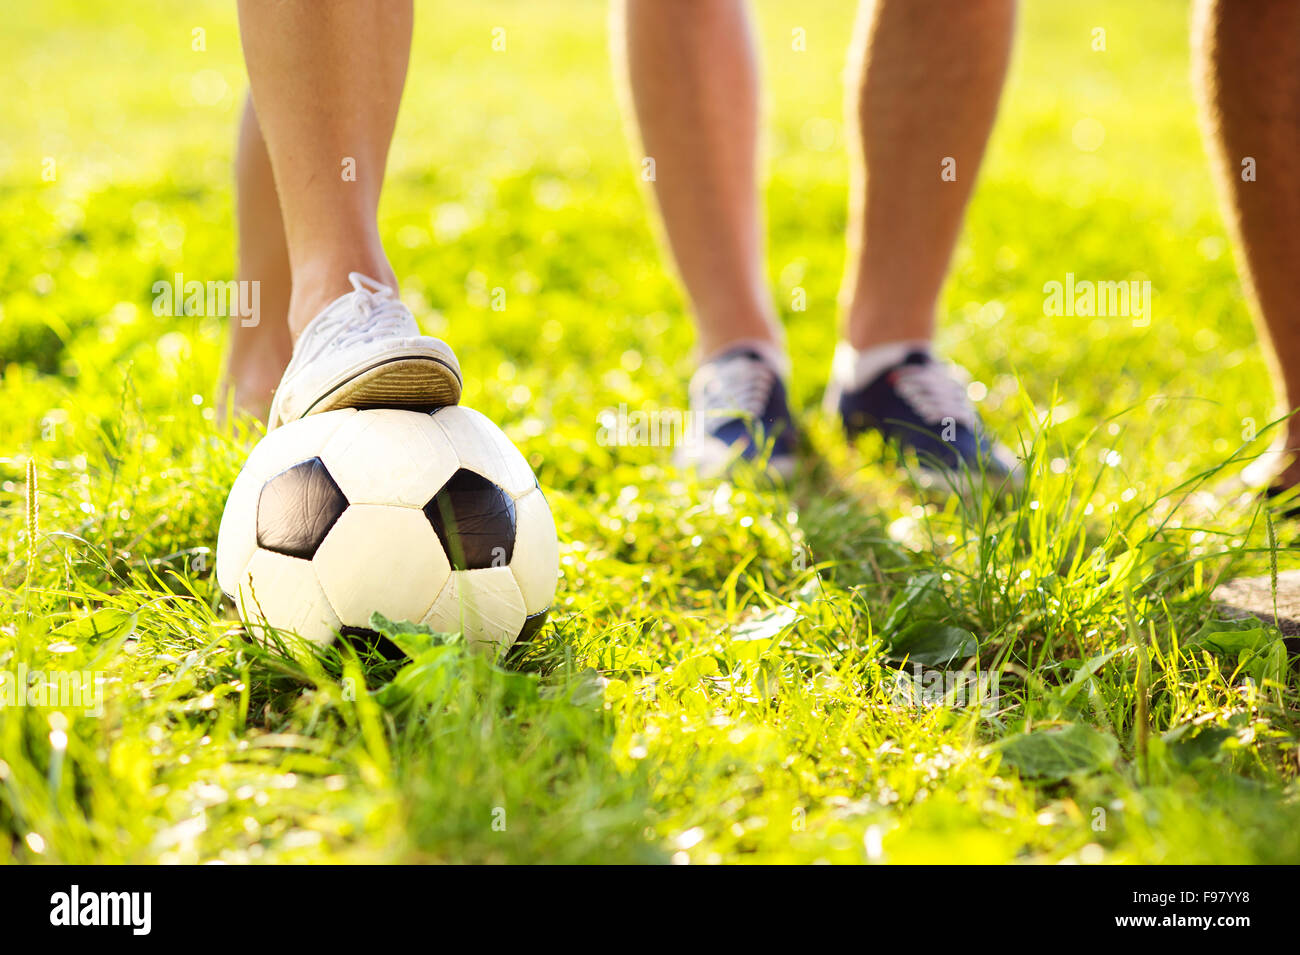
<point>735,386</point>
<point>933,394</point>
<point>382,316</point>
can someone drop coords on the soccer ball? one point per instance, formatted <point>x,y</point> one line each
<point>430,518</point>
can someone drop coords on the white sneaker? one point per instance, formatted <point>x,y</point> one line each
<point>365,351</point>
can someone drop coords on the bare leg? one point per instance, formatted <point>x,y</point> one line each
<point>1248,73</point>
<point>327,78</point>
<point>694,88</point>
<point>258,353</point>
<point>927,78</point>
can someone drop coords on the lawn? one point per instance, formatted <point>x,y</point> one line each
<point>731,673</point>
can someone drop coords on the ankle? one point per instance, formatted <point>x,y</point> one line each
<point>249,380</point>
<point>868,327</point>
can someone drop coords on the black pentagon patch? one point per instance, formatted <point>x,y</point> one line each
<point>531,625</point>
<point>297,508</point>
<point>475,520</point>
<point>524,641</point>
<point>369,642</point>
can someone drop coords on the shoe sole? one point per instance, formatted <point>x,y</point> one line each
<point>406,382</point>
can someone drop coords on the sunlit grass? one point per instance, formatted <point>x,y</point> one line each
<point>721,679</point>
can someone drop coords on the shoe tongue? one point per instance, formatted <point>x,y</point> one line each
<point>731,377</point>
<point>738,356</point>
<point>913,359</point>
<point>740,351</point>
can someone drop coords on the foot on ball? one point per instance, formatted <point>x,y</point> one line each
<point>365,351</point>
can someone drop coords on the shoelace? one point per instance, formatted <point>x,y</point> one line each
<point>933,394</point>
<point>382,315</point>
<point>739,385</point>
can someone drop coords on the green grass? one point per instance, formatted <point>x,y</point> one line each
<point>718,681</point>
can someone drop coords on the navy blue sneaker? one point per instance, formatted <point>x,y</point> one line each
<point>739,412</point>
<point>919,407</point>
